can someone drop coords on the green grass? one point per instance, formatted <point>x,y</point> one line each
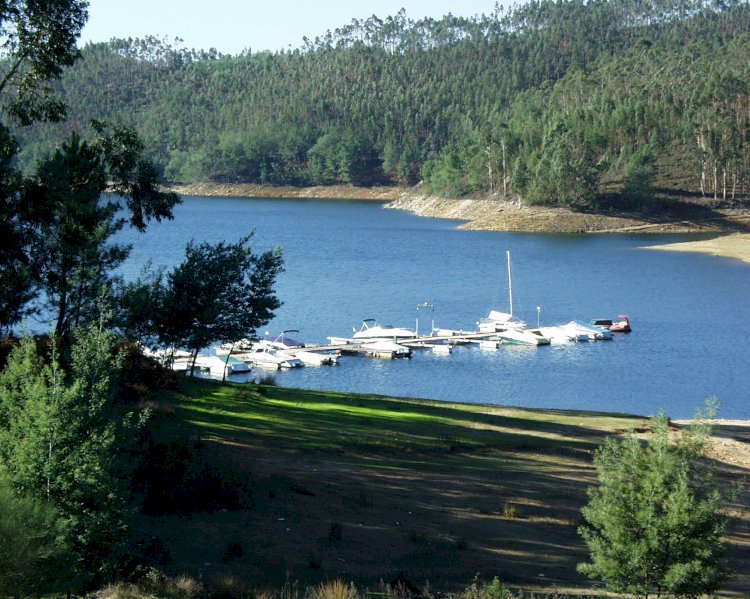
<point>357,426</point>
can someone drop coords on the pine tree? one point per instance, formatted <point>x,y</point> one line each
<point>654,523</point>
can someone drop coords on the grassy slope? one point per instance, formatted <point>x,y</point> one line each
<point>364,488</point>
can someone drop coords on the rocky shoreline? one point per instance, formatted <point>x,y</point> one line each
<point>320,192</point>
<point>499,214</point>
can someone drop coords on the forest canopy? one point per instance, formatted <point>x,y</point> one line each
<point>586,104</point>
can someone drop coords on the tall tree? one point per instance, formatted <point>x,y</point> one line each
<point>222,292</point>
<point>39,39</point>
<point>72,252</point>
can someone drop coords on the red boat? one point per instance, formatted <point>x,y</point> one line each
<point>616,326</point>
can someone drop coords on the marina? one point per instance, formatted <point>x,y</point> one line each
<point>283,352</point>
<point>349,262</point>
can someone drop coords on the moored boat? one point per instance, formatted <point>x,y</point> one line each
<point>382,348</point>
<point>219,365</point>
<point>372,330</point>
<point>522,337</point>
<point>616,326</point>
<point>561,334</point>
<point>592,332</point>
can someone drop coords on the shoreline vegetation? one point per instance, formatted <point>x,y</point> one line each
<point>494,214</point>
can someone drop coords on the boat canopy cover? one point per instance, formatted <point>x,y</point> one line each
<point>289,342</point>
<point>499,316</point>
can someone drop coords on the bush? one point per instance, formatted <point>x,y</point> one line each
<point>33,558</point>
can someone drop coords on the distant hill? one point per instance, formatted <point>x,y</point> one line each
<point>585,104</point>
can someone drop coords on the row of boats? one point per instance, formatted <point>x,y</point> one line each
<point>501,327</point>
<point>386,341</point>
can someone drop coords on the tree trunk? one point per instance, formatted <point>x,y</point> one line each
<point>192,362</point>
<point>716,181</point>
<point>505,176</point>
<point>226,362</point>
<point>490,176</point>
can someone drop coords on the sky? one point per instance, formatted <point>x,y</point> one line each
<point>232,26</point>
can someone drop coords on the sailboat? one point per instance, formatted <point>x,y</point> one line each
<point>510,329</point>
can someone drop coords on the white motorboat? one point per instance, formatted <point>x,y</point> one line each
<point>499,321</point>
<point>287,346</point>
<point>558,335</point>
<point>311,358</point>
<point>263,356</point>
<point>382,348</point>
<point>243,345</point>
<point>372,330</point>
<point>593,333</point>
<point>522,337</point>
<point>218,365</point>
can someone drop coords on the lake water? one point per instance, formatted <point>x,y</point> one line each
<point>347,261</point>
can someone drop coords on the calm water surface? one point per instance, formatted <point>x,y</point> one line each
<point>346,261</point>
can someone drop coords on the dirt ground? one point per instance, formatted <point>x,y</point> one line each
<point>438,525</point>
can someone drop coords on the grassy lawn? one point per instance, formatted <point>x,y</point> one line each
<point>366,488</point>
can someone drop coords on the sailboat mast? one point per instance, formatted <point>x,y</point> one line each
<point>510,286</point>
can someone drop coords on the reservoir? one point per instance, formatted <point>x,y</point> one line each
<point>348,261</point>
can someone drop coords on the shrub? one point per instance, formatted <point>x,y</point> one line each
<point>335,589</point>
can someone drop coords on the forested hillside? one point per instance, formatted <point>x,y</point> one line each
<point>586,104</point>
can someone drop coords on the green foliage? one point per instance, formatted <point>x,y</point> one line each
<point>221,292</point>
<point>16,271</point>
<point>65,256</point>
<point>558,91</point>
<point>61,439</point>
<point>639,178</point>
<point>39,39</point>
<point>71,255</point>
<point>654,523</point>
<point>33,553</point>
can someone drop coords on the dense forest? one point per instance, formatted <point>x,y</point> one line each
<point>590,104</point>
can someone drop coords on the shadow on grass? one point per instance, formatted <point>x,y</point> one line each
<point>436,492</point>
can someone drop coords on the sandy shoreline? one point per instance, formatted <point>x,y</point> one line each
<point>736,245</point>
